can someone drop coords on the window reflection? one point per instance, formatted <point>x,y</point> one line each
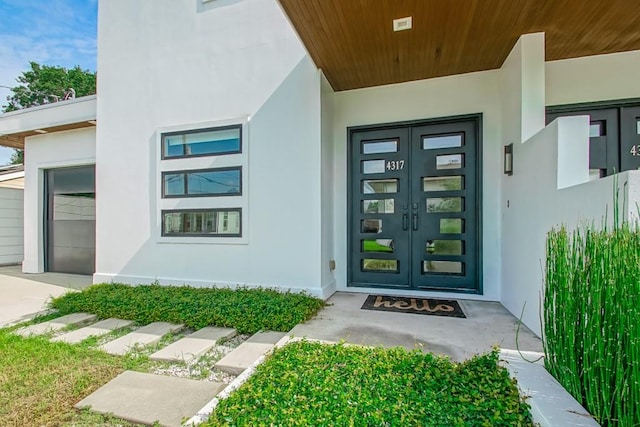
<point>441,141</point>
<point>443,267</point>
<point>382,265</point>
<point>377,147</point>
<point>450,161</point>
<point>202,143</point>
<point>212,182</point>
<point>201,222</point>
<point>445,204</point>
<point>377,206</point>
<point>443,183</point>
<point>373,166</point>
<point>376,186</point>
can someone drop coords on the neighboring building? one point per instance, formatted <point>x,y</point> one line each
<point>12,176</point>
<point>11,214</point>
<point>306,145</point>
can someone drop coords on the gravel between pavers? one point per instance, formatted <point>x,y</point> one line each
<point>202,368</point>
<point>199,369</point>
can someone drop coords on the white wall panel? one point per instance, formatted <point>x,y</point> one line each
<point>11,226</point>
<point>426,99</point>
<point>191,63</point>
<point>42,152</point>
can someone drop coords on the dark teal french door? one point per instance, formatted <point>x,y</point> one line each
<point>414,207</point>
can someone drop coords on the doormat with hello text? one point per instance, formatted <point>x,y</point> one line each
<point>435,307</point>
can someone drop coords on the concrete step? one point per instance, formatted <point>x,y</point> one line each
<point>75,319</point>
<point>248,352</point>
<point>100,328</point>
<point>147,335</point>
<point>194,345</point>
<point>146,398</point>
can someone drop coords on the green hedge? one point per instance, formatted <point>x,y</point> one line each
<point>592,319</point>
<point>312,384</point>
<point>247,310</point>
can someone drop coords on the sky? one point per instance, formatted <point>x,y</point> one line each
<point>49,32</point>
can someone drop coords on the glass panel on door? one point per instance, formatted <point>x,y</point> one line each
<point>413,207</point>
<point>444,238</point>
<point>379,245</point>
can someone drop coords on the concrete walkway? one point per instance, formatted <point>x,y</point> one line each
<point>57,324</point>
<point>98,329</point>
<point>487,324</point>
<point>21,299</point>
<point>248,352</point>
<point>147,398</point>
<point>72,281</point>
<point>143,337</point>
<point>194,345</point>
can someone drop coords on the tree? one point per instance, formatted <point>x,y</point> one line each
<point>17,157</point>
<point>43,84</point>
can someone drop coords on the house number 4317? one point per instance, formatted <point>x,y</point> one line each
<point>395,165</point>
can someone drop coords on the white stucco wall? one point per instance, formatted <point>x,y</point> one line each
<point>327,199</point>
<point>191,63</point>
<point>549,186</point>
<point>593,78</point>
<point>522,78</point>
<point>42,152</point>
<point>512,101</point>
<point>11,225</point>
<point>536,203</point>
<point>441,97</point>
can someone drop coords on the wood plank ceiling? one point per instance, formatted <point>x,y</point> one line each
<point>352,41</point>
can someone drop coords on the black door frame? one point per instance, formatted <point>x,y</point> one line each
<point>477,119</point>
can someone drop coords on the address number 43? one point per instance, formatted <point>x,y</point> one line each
<point>635,150</point>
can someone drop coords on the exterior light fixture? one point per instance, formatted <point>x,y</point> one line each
<point>40,131</point>
<point>508,159</point>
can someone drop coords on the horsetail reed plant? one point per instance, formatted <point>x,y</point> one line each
<point>592,320</point>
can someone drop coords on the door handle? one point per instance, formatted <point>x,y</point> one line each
<point>415,221</point>
<point>405,221</point>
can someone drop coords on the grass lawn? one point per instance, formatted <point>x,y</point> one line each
<point>40,381</point>
<point>247,310</point>
<point>311,384</point>
<point>302,384</point>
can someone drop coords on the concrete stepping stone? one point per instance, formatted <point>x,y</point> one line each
<point>146,398</point>
<point>147,335</point>
<point>194,345</point>
<point>75,319</point>
<point>100,328</point>
<point>248,352</point>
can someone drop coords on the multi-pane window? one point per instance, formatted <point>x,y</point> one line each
<point>202,222</point>
<point>218,212</point>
